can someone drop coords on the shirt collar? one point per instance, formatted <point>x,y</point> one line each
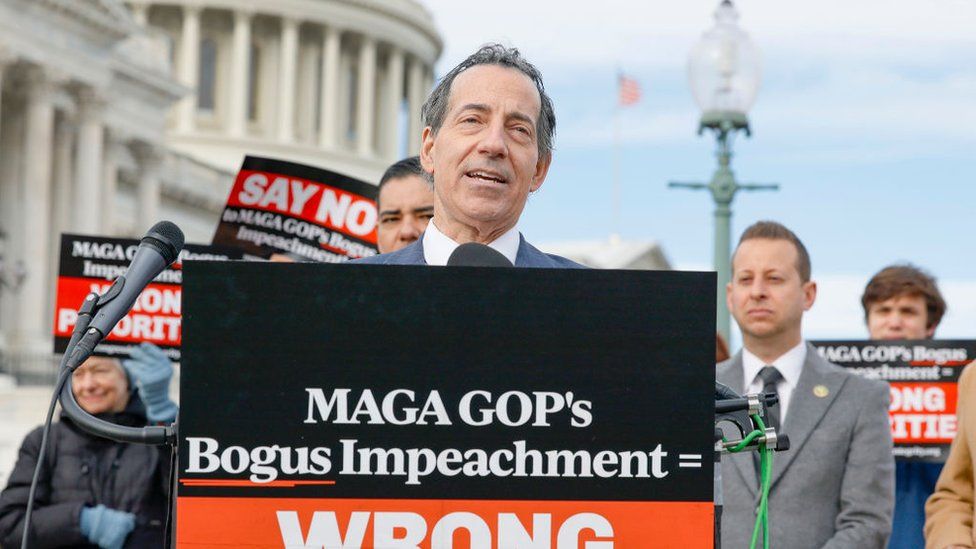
<point>438,247</point>
<point>790,364</point>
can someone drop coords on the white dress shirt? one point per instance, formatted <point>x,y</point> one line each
<point>438,247</point>
<point>790,365</point>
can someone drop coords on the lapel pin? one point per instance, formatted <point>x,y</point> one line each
<point>821,391</point>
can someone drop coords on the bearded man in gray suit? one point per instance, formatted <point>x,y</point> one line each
<point>487,144</point>
<point>834,487</point>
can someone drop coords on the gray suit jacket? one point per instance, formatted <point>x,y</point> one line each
<point>834,487</point>
<point>527,256</point>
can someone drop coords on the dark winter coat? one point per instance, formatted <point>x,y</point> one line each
<point>83,470</point>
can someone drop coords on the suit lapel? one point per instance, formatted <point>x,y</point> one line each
<point>415,252</point>
<point>529,256</point>
<point>734,377</point>
<point>806,408</point>
<point>523,258</point>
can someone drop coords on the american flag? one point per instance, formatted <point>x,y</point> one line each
<point>629,91</point>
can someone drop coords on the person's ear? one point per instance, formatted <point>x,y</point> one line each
<point>427,150</point>
<point>809,294</point>
<point>541,170</point>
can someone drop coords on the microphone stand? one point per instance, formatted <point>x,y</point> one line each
<point>747,414</point>
<point>151,435</point>
<point>154,435</point>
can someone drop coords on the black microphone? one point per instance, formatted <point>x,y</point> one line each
<point>473,254</point>
<point>160,247</point>
<point>724,392</point>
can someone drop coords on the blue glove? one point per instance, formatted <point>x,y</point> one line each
<point>106,527</point>
<point>150,370</point>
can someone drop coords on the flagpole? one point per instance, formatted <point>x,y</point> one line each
<point>616,164</point>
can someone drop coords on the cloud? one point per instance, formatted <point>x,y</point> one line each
<point>879,103</point>
<point>843,82</point>
<point>596,129</point>
<point>659,34</point>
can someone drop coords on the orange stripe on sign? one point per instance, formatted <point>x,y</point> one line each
<point>934,363</point>
<point>362,523</point>
<point>339,251</point>
<point>252,484</point>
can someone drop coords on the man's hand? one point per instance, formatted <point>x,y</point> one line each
<point>150,371</point>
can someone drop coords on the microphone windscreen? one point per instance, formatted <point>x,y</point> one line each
<point>724,392</point>
<point>166,238</point>
<point>473,254</point>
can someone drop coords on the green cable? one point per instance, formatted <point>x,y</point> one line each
<point>765,475</point>
<point>765,469</point>
<point>745,442</point>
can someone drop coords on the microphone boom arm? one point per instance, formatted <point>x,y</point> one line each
<point>152,434</point>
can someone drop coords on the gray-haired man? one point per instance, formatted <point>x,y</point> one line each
<point>488,144</point>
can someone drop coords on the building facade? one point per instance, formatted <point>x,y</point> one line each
<point>114,116</point>
<point>337,83</point>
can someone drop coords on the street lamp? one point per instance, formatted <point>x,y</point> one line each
<point>724,74</point>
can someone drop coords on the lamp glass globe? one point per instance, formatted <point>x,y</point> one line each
<point>724,66</point>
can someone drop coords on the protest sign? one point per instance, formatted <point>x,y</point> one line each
<point>391,406</point>
<point>90,264</point>
<point>923,376</point>
<point>283,209</point>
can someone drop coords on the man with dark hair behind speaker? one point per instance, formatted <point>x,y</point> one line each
<point>93,491</point>
<point>904,302</point>
<point>487,143</point>
<point>834,487</point>
<point>405,200</point>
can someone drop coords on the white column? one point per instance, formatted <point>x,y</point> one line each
<point>189,68</point>
<point>308,57</point>
<point>240,68</point>
<point>63,197</point>
<point>286,79</point>
<point>38,136</point>
<point>329,101</point>
<point>428,80</point>
<point>149,158</point>
<point>394,89</point>
<point>6,59</point>
<point>110,184</point>
<point>88,163</point>
<point>366,96</point>
<point>415,99</point>
<point>11,209</point>
<point>140,13</point>
<point>61,193</point>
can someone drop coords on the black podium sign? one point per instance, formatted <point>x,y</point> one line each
<point>383,406</point>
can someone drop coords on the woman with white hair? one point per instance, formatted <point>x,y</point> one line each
<point>93,491</point>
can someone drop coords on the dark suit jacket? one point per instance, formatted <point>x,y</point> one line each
<point>834,487</point>
<point>527,256</point>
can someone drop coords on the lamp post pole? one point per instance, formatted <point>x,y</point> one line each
<point>723,187</point>
<point>724,74</point>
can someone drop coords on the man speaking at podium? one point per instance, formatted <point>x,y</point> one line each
<point>834,487</point>
<point>488,144</point>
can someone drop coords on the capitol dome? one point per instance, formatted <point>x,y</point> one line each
<point>333,83</point>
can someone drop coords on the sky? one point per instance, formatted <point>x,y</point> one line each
<point>866,118</point>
